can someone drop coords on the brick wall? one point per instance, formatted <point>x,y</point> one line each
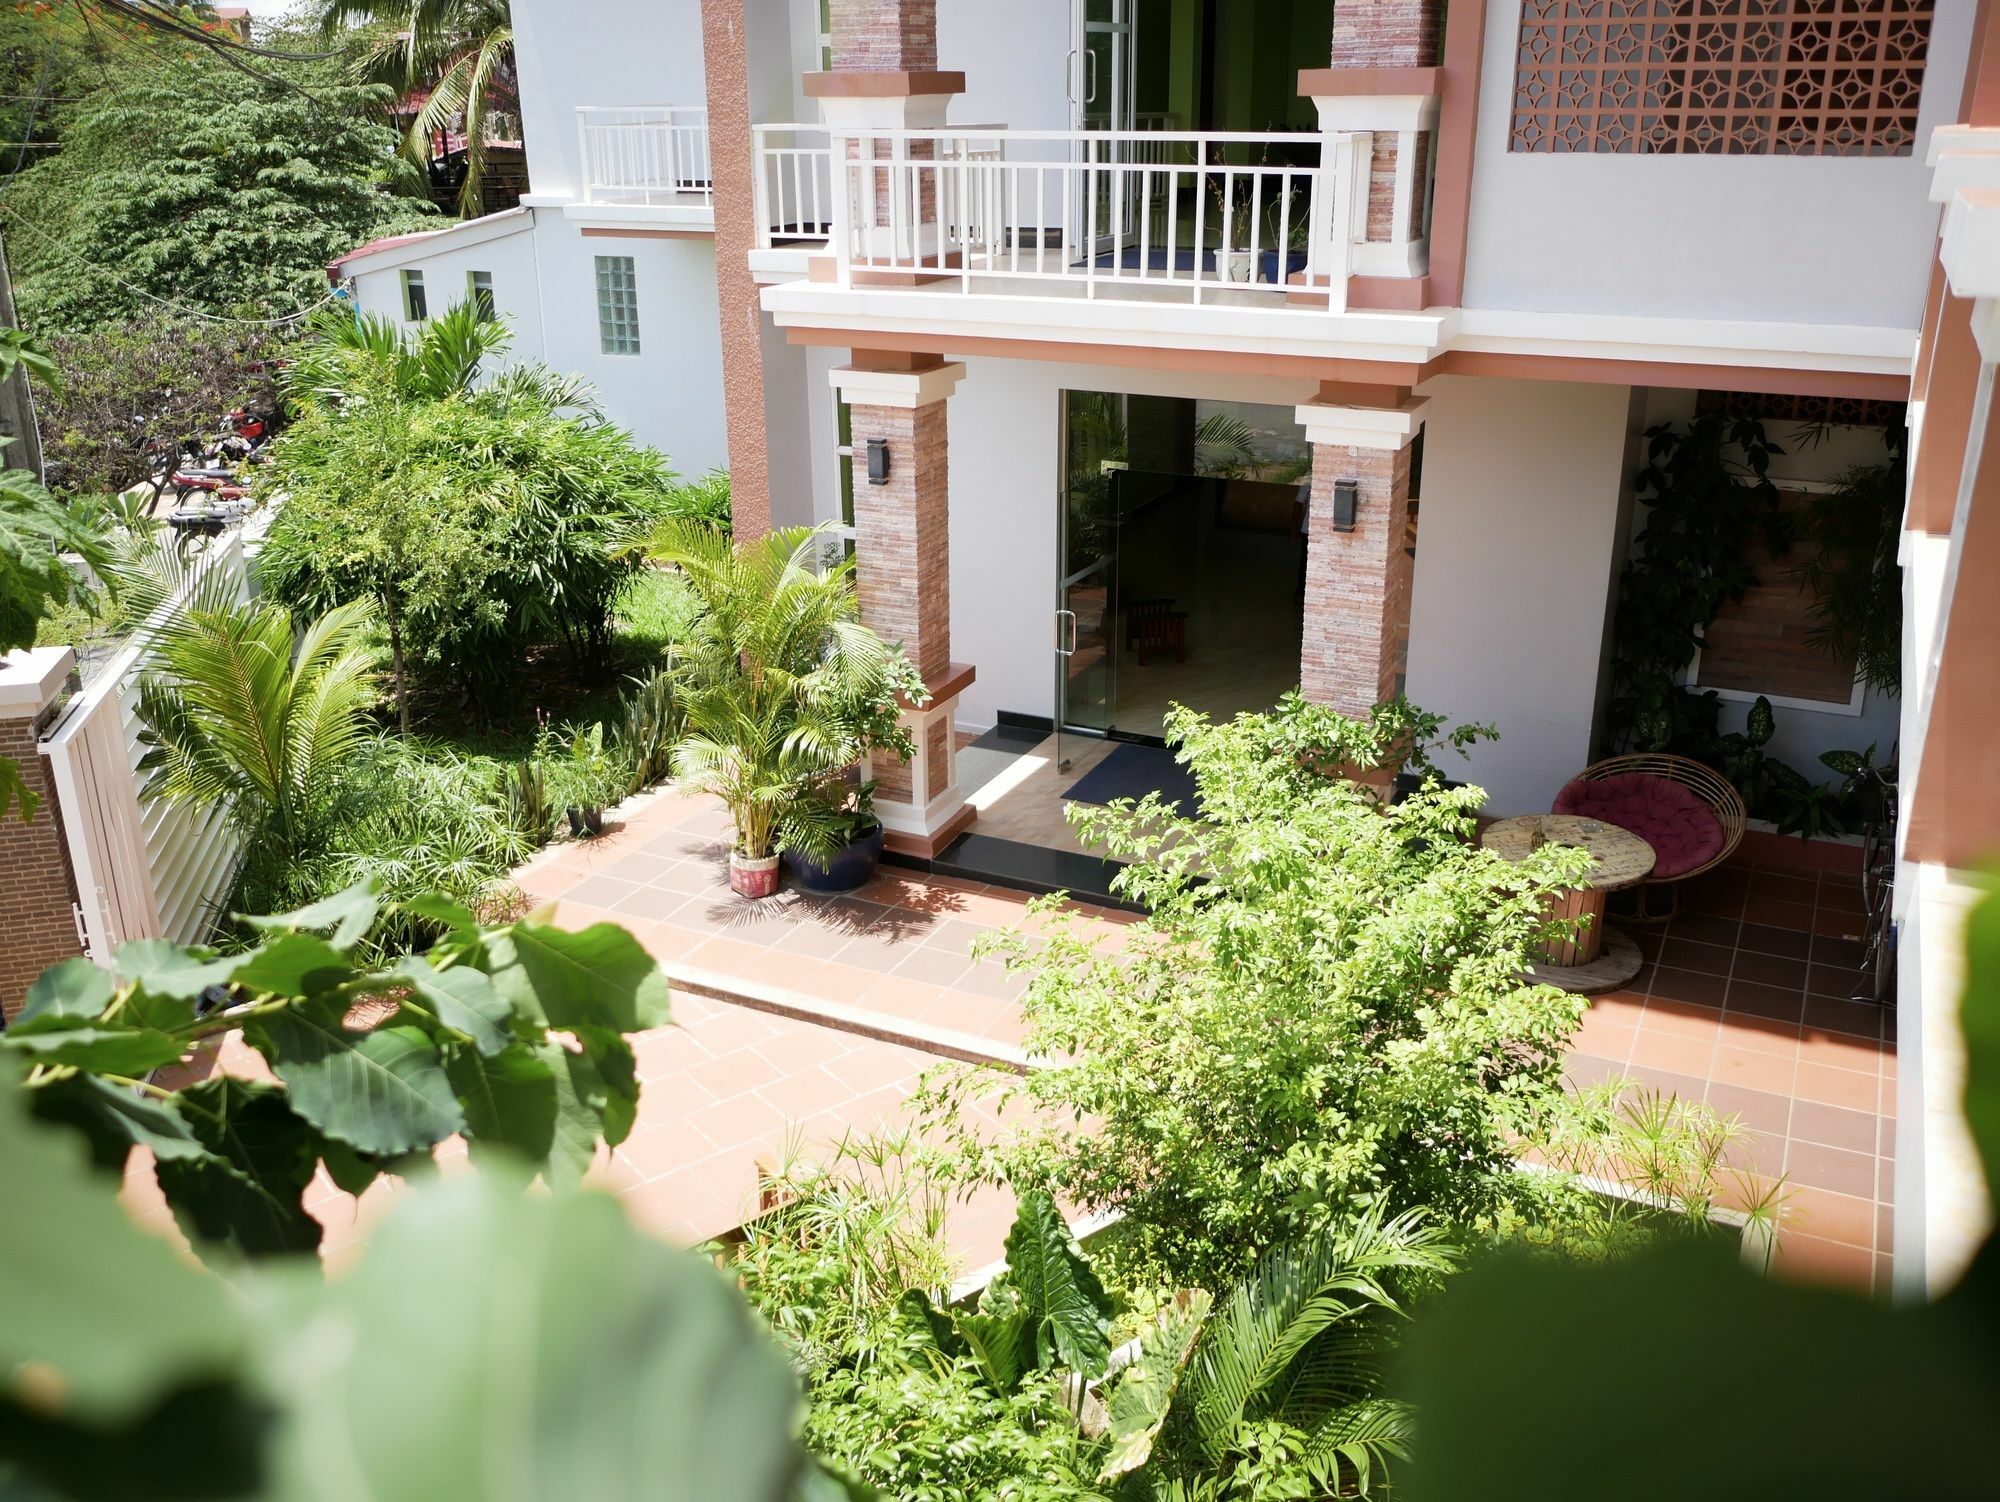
<point>1357,583</point>
<point>37,927</point>
<point>1386,33</point>
<point>884,36</point>
<point>902,551</point>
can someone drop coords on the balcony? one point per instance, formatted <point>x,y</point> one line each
<point>645,164</point>
<point>1232,240</point>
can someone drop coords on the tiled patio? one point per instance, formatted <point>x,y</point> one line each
<point>1744,1002</point>
<point>799,1018</point>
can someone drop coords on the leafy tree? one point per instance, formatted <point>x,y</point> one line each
<point>176,190</point>
<point>35,531</point>
<point>458,53</point>
<point>135,392</point>
<point>459,1043</point>
<point>345,360</point>
<point>1324,1006</point>
<point>483,523</point>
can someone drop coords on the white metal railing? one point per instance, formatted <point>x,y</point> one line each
<point>1112,214</point>
<point>794,185</point>
<point>144,868</point>
<point>648,154</point>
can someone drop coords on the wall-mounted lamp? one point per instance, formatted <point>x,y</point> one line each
<point>1346,499</point>
<point>878,461</point>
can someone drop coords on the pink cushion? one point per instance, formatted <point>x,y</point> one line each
<point>1682,830</point>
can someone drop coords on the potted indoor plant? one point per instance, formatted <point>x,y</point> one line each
<point>850,819</point>
<point>781,690</point>
<point>593,780</point>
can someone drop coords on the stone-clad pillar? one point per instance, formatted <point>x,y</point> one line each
<point>902,561</point>
<point>1357,609</point>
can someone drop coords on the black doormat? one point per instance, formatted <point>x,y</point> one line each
<point>1132,771</point>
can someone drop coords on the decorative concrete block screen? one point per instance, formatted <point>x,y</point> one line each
<point>1730,77</point>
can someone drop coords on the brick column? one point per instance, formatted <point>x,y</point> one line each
<point>1384,79</point>
<point>37,889</point>
<point>1357,611</point>
<point>902,557</point>
<point>885,77</point>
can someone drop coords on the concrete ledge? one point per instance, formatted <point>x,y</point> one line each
<point>736,990</point>
<point>1334,83</point>
<point>31,678</point>
<point>856,84</point>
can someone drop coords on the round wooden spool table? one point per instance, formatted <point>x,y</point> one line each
<point>1597,959</point>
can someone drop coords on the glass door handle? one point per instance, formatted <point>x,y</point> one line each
<point>1070,650</point>
<point>1090,56</point>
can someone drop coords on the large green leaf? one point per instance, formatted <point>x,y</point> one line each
<point>292,965</point>
<point>463,999</point>
<point>1002,1343</point>
<point>1145,1392</point>
<point>1068,1310</point>
<point>585,1108</point>
<point>105,1050</point>
<point>498,1344</point>
<point>350,914</point>
<point>383,1091</point>
<point>597,977</point>
<point>1979,1018</point>
<point>73,988</point>
<point>166,969</point>
<point>114,1119</point>
<point>245,1195</point>
<point>102,1317</point>
<point>509,1101</point>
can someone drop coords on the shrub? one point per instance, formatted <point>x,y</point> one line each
<point>483,527</point>
<point>1325,1006</point>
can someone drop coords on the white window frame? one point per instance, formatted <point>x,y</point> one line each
<point>489,306</point>
<point>414,290</point>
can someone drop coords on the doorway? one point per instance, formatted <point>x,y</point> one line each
<point>1182,569</point>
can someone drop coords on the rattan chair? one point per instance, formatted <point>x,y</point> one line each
<point>1709,786</point>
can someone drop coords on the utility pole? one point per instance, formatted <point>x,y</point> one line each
<point>17,404</point>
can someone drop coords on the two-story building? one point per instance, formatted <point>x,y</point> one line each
<point>1131,341</point>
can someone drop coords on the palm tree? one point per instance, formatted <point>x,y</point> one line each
<point>242,711</point>
<point>1285,1371</point>
<point>344,357</point>
<point>781,686</point>
<point>461,52</point>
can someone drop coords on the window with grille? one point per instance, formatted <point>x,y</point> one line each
<point>1728,77</point>
<point>618,305</point>
<point>479,289</point>
<point>416,307</point>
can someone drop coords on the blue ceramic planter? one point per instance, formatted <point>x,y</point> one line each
<point>849,869</point>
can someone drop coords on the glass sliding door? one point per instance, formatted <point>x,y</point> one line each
<point>1093,447</point>
<point>1102,53</point>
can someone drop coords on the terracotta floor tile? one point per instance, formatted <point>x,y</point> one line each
<point>1669,1081</point>
<point>1774,884</point>
<point>1586,1071</point>
<point>1828,950</point>
<point>1625,1008</point>
<point>1771,912</point>
<point>1693,954</point>
<point>1769,970</point>
<point>1751,1070</point>
<point>1840,1051</point>
<point>1764,1034</point>
<point>1861,1019</point>
<point>941,967</point>
<point>1812,1259</point>
<point>1665,1015</point>
<point>652,904</point>
<point>1840,981</point>
<point>807,1092</point>
<point>1820,1167</point>
<point>1763,938</point>
<point>600,890</point>
<point>1835,1087</point>
<point>1703,929</point>
<point>1839,896</point>
<point>1689,986</point>
<point>1833,923</point>
<point>738,1121</point>
<point>1834,1126</point>
<point>901,996</point>
<point>1675,1052</point>
<point>1763,1111</point>
<point>1774,1002</point>
<point>1605,1039</point>
<point>1828,1216</point>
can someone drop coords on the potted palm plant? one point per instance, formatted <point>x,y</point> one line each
<point>850,819</point>
<point>781,690</point>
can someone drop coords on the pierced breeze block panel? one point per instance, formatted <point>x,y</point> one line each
<point>1726,77</point>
